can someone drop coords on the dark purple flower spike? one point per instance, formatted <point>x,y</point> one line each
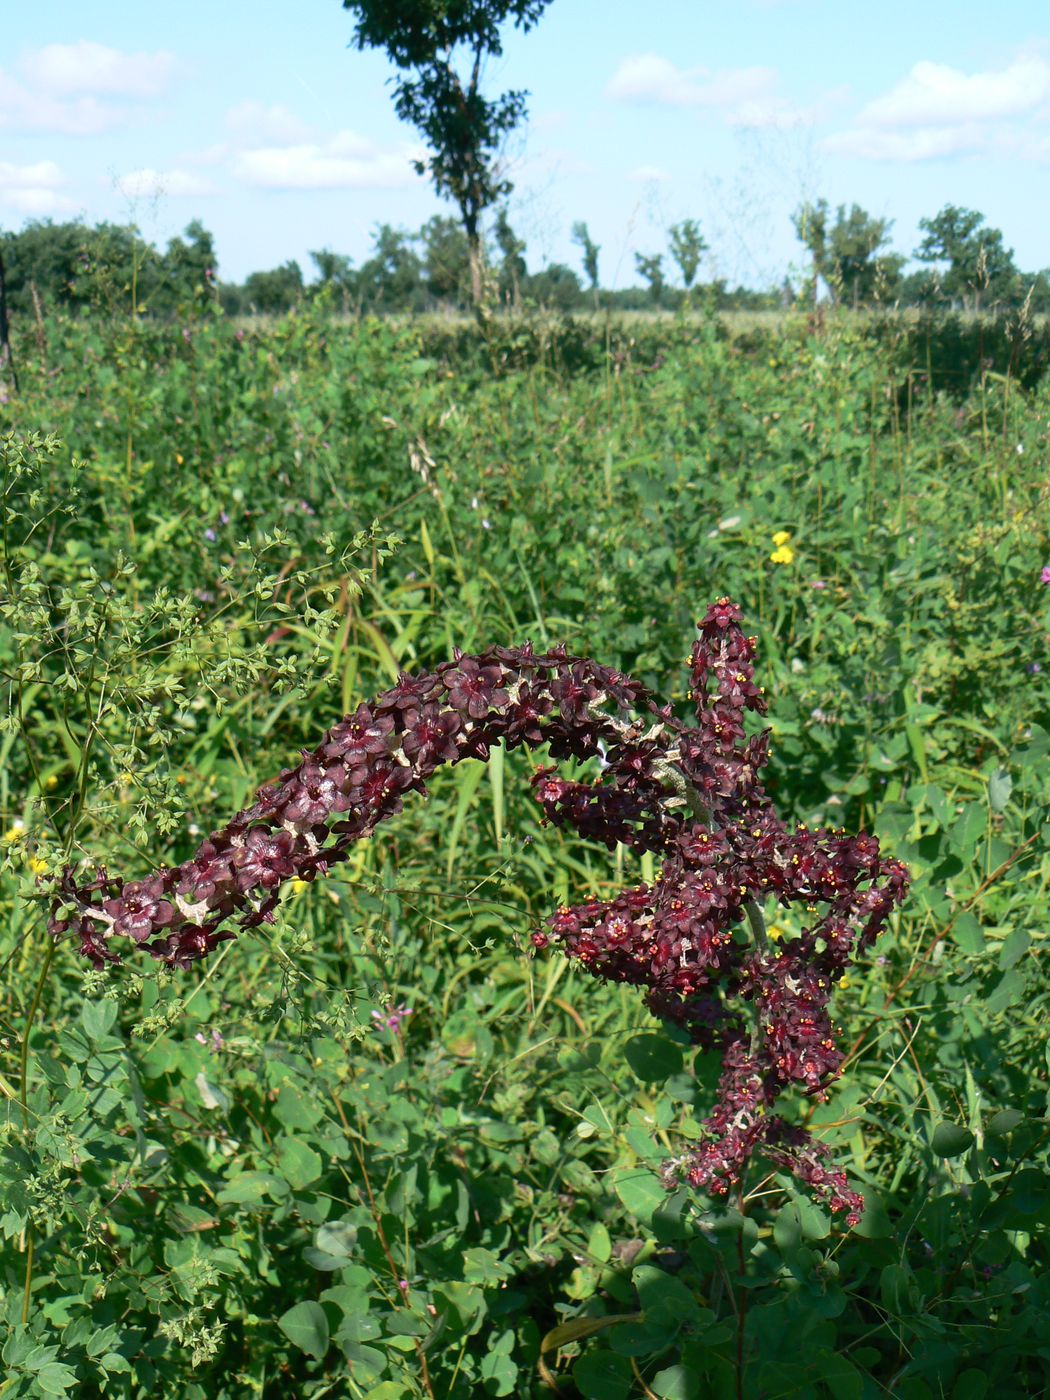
<point>696,940</point>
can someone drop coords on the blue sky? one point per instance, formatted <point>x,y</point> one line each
<point>261,121</point>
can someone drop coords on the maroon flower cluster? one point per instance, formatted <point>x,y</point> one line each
<point>305,821</point>
<point>695,940</point>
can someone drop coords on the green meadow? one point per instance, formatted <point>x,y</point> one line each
<point>382,1147</point>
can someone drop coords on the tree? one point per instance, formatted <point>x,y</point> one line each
<point>811,229</point>
<point>48,256</point>
<point>651,268</point>
<point>440,47</point>
<point>188,266</point>
<point>687,247</point>
<point>555,286</point>
<point>514,269</point>
<point>72,265</point>
<point>335,274</point>
<point>7,359</point>
<point>847,254</point>
<point>446,261</point>
<point>276,290</point>
<point>978,262</point>
<point>390,279</point>
<point>582,238</point>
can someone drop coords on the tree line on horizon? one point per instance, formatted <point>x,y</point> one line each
<point>74,267</point>
<point>476,260</point>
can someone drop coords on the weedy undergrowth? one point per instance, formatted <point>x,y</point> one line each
<point>378,1147</point>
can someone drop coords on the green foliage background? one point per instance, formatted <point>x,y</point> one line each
<point>234,1181</point>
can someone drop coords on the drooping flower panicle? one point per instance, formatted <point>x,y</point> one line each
<point>691,794</point>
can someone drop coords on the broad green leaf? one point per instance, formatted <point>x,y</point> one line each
<point>641,1191</point>
<point>296,1109</point>
<point>306,1327</point>
<point>951,1140</point>
<point>98,1018</point>
<point>298,1163</point>
<point>676,1383</point>
<point>602,1375</point>
<point>968,934</point>
<point>1000,786</point>
<point>653,1057</point>
<point>1003,1122</point>
<point>1008,992</point>
<point>1014,949</point>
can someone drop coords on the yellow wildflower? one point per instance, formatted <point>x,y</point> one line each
<point>37,866</point>
<point>844,983</point>
<point>775,932</point>
<point>14,832</point>
<point>298,886</point>
<point>781,537</point>
<point>783,554</point>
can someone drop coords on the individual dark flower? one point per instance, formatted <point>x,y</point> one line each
<point>525,716</point>
<point>141,909</point>
<point>474,689</point>
<point>431,738</point>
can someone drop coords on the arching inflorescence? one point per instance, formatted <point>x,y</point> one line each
<point>691,794</point>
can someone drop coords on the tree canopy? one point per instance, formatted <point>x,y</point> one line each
<point>848,253</point>
<point>439,48</point>
<point>978,263</point>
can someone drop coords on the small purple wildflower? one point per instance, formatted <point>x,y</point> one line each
<point>210,535</point>
<point>391,1020</point>
<point>1033,668</point>
<point>1044,577</point>
<point>215,1040</point>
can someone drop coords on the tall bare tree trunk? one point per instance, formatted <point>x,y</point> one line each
<point>7,359</point>
<point>41,332</point>
<point>477,271</point>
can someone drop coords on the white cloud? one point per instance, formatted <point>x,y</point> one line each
<point>924,143</point>
<point>69,88</point>
<point>155,184</point>
<point>255,122</point>
<point>86,67</point>
<point>650,78</point>
<point>23,109</point>
<point>933,95</point>
<point>34,189</point>
<point>347,161</point>
<point>937,112</point>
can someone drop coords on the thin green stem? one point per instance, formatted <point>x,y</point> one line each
<point>34,1005</point>
<point>23,1069</point>
<point>28,1290</point>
